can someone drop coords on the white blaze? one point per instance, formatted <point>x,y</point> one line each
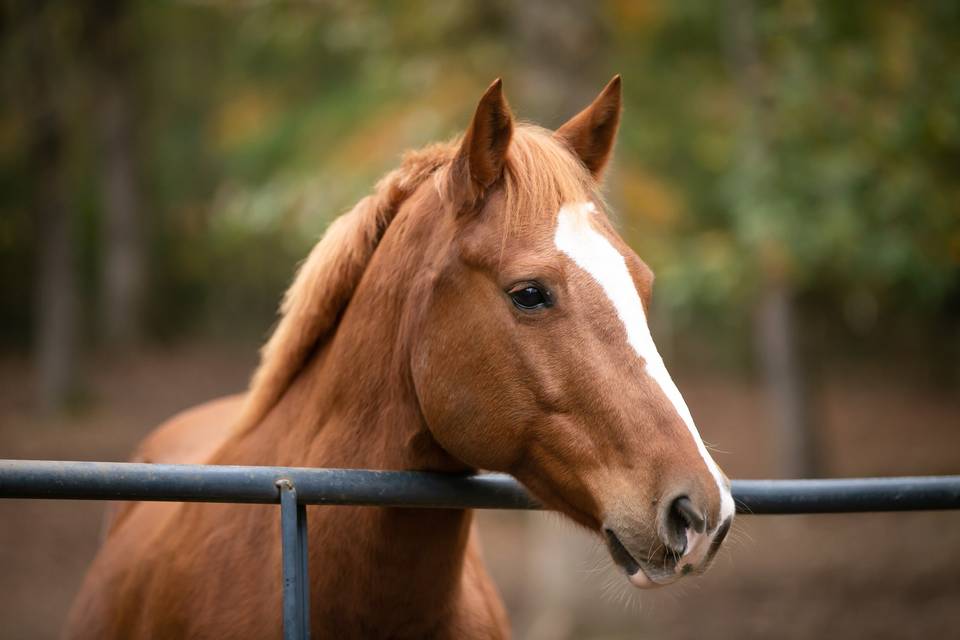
<point>592,252</point>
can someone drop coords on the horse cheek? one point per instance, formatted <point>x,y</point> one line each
<point>462,392</point>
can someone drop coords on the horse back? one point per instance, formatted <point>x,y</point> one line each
<point>190,437</point>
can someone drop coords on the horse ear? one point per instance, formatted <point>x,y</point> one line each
<point>484,148</point>
<point>591,132</point>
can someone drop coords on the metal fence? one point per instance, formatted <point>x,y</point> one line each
<point>294,488</point>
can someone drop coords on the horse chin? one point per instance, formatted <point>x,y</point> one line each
<point>646,579</point>
<point>639,576</point>
<point>641,580</point>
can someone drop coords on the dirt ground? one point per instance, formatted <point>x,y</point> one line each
<point>836,576</point>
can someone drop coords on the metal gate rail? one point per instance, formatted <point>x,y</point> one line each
<point>294,488</point>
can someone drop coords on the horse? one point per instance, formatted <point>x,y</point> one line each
<point>477,311</point>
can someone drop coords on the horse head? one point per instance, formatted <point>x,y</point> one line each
<point>533,354</point>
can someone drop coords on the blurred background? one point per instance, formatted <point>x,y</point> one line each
<point>788,169</point>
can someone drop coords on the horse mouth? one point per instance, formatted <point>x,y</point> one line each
<point>667,566</point>
<point>637,574</point>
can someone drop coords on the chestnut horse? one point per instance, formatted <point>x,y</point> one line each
<point>477,311</point>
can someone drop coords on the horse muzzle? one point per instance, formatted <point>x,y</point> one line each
<point>684,545</point>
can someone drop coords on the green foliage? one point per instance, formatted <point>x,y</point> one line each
<point>833,165</point>
<point>837,174</point>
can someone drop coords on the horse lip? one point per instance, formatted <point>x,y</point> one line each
<point>636,574</point>
<point>620,554</point>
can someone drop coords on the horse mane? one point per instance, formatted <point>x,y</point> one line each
<point>326,280</point>
<point>540,174</point>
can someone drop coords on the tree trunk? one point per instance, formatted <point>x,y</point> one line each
<point>776,320</point>
<point>784,375</point>
<point>55,312</point>
<point>559,44</point>
<point>55,348</point>
<point>122,240</point>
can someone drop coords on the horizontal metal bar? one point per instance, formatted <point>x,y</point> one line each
<point>208,483</point>
<point>202,483</point>
<point>847,495</point>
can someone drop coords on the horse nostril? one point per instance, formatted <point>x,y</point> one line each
<point>690,514</point>
<point>683,515</point>
<point>722,532</point>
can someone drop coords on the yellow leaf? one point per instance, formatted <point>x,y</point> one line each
<point>648,197</point>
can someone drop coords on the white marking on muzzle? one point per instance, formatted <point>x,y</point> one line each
<point>592,252</point>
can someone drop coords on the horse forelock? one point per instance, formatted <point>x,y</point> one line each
<point>540,174</point>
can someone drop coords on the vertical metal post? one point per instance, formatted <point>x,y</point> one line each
<point>296,583</point>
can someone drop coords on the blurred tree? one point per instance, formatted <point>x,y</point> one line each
<point>247,127</point>
<point>111,43</point>
<point>798,163</point>
<point>776,317</point>
<point>43,27</point>
<point>561,46</point>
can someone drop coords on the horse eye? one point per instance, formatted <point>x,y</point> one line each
<point>530,297</point>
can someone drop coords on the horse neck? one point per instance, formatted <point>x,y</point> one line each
<point>355,406</point>
<point>353,403</point>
